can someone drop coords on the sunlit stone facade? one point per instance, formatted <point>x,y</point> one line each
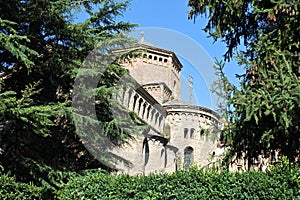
<point>179,134</point>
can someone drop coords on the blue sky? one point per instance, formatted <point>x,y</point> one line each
<point>173,16</point>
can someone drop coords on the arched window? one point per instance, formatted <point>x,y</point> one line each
<point>148,111</point>
<point>144,109</point>
<point>134,101</point>
<point>192,134</point>
<point>186,131</point>
<point>188,157</point>
<point>140,105</point>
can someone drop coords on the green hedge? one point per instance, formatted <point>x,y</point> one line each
<point>10,189</point>
<point>282,182</point>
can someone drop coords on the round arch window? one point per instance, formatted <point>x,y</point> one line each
<point>188,157</point>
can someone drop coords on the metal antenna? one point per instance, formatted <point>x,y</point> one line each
<point>143,37</point>
<point>191,88</point>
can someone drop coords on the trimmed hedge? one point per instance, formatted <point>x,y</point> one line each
<point>10,189</point>
<point>282,182</point>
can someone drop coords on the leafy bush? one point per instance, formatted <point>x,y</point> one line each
<point>280,183</point>
<point>10,189</point>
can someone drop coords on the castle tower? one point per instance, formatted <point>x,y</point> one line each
<point>157,70</point>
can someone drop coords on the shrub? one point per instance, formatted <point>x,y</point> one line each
<point>280,183</point>
<point>10,189</point>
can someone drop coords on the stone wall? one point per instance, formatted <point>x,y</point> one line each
<point>156,66</point>
<point>159,91</point>
<point>193,127</point>
<point>147,152</point>
<point>179,134</point>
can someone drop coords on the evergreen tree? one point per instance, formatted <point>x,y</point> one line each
<point>42,47</point>
<point>263,111</point>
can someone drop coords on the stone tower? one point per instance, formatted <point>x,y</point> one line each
<point>156,70</point>
<point>179,134</point>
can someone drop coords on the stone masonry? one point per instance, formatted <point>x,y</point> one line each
<point>179,134</point>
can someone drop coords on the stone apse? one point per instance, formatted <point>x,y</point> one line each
<point>178,134</point>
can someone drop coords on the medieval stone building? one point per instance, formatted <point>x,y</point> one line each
<point>179,134</point>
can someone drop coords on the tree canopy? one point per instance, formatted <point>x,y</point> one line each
<point>263,111</point>
<point>42,47</point>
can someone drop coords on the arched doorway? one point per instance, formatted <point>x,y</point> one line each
<point>188,157</point>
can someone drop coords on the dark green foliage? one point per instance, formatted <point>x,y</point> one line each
<point>10,189</point>
<point>281,183</point>
<point>42,48</point>
<point>262,113</point>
